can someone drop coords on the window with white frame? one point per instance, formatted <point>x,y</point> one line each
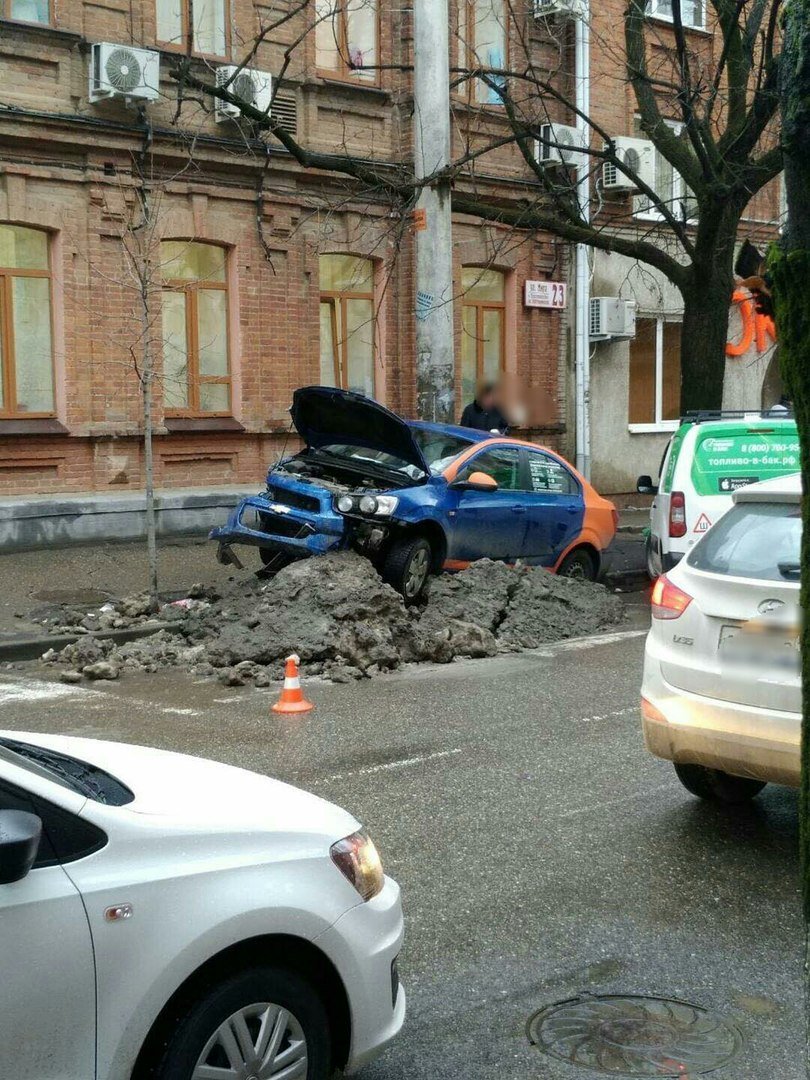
<point>669,186</point>
<point>693,13</point>
<point>654,396</point>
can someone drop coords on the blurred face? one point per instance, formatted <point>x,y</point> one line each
<point>487,399</point>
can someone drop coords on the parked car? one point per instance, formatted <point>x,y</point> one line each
<point>705,462</point>
<point>418,497</point>
<point>721,695</point>
<point>168,917</point>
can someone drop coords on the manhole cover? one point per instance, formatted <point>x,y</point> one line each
<point>635,1036</point>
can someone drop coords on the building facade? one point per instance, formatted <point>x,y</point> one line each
<point>164,234</point>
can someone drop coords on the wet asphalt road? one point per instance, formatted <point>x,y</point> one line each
<point>540,850</point>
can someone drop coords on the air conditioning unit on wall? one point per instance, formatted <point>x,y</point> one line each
<point>574,9</point>
<point>612,318</point>
<point>253,87</point>
<point>123,71</point>
<point>639,156</point>
<point>560,144</point>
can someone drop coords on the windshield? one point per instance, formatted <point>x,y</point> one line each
<point>439,448</point>
<point>70,772</point>
<point>753,540</point>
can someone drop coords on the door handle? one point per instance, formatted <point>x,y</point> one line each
<point>518,509</point>
<point>573,510</point>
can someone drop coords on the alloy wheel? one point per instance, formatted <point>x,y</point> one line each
<point>258,1042</point>
<point>417,572</point>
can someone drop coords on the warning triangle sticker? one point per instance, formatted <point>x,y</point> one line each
<point>702,525</point>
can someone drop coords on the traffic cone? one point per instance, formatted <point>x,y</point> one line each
<point>292,698</point>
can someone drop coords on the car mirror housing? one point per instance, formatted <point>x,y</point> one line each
<point>645,486</point>
<point>20,833</point>
<point>478,481</point>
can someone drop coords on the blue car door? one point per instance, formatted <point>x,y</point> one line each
<point>555,508</point>
<point>489,524</point>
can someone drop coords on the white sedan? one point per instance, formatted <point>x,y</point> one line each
<point>721,695</point>
<point>167,917</point>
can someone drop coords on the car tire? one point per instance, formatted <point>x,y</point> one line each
<point>654,567</point>
<point>406,566</point>
<point>579,564</point>
<point>233,1010</point>
<point>717,786</point>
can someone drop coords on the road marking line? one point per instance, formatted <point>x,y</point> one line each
<point>610,715</point>
<point>388,766</point>
<point>594,807</point>
<point>180,712</point>
<point>588,642</point>
<point>35,690</point>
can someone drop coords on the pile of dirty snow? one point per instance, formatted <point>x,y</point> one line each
<point>341,618</point>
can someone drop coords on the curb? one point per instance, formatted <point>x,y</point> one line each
<point>32,648</point>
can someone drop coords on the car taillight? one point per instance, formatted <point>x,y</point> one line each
<point>668,601</point>
<point>677,514</point>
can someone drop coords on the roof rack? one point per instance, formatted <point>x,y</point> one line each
<point>701,416</point>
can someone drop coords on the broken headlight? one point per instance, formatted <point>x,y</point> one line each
<point>369,505</point>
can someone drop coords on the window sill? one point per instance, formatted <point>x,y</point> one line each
<point>369,89</point>
<point>201,423</point>
<point>667,21</point>
<point>652,429</point>
<point>32,426</point>
<point>42,30</point>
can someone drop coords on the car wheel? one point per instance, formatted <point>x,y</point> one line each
<point>654,568</point>
<point>718,786</point>
<point>259,1024</point>
<point>407,565</point>
<point>579,564</point>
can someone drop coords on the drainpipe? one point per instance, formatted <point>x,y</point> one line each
<point>582,343</point>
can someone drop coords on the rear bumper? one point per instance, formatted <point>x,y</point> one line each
<point>744,740</point>
<point>363,944</point>
<point>261,523</point>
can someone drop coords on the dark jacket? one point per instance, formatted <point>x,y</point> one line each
<point>483,419</point>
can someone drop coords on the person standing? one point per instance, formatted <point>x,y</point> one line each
<point>483,413</point>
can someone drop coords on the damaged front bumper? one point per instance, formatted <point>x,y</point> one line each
<point>263,522</point>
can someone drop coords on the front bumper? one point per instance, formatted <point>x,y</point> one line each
<point>264,523</point>
<point>363,945</point>
<point>744,740</point>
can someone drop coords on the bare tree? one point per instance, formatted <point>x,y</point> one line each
<point>709,111</point>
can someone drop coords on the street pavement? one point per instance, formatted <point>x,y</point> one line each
<point>541,851</point>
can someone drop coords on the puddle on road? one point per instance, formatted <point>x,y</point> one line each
<point>635,1036</point>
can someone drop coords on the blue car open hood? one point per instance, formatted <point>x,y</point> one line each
<point>323,415</point>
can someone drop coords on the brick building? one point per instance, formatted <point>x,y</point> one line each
<point>264,275</point>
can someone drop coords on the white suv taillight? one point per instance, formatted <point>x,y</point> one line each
<point>668,601</point>
<point>677,514</point>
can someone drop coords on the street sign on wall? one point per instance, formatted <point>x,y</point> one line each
<point>545,294</point>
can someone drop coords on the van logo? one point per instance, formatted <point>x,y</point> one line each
<point>769,606</point>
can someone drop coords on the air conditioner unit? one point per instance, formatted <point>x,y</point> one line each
<point>639,156</point>
<point>123,71</point>
<point>560,144</point>
<point>253,87</point>
<point>612,318</point>
<point>575,9</point>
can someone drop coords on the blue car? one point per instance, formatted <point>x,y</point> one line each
<point>416,497</point>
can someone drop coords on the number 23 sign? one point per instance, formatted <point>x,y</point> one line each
<point>545,294</point>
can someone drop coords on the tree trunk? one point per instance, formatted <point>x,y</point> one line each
<point>147,383</point>
<point>703,348</point>
<point>790,268</point>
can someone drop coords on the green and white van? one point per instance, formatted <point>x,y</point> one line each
<point>705,462</point>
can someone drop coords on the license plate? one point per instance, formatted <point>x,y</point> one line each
<point>761,647</point>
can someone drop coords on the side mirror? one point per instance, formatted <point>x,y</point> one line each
<point>477,481</point>
<point>20,834</point>
<point>645,486</point>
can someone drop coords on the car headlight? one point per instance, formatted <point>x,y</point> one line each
<point>345,504</point>
<point>358,860</point>
<point>386,505</point>
<point>368,505</point>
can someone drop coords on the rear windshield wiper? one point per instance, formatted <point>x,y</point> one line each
<point>790,570</point>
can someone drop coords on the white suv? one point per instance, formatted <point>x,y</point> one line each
<point>721,695</point>
<point>706,461</point>
<point>168,917</point>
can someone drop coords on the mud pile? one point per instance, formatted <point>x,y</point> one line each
<point>342,620</point>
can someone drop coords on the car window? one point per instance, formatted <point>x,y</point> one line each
<point>439,448</point>
<point>549,476</point>
<point>502,464</point>
<point>668,470</point>
<point>753,540</point>
<point>65,837</point>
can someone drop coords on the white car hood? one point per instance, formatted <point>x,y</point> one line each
<point>199,791</point>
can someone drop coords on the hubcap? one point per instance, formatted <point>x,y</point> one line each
<point>259,1042</point>
<point>417,572</point>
